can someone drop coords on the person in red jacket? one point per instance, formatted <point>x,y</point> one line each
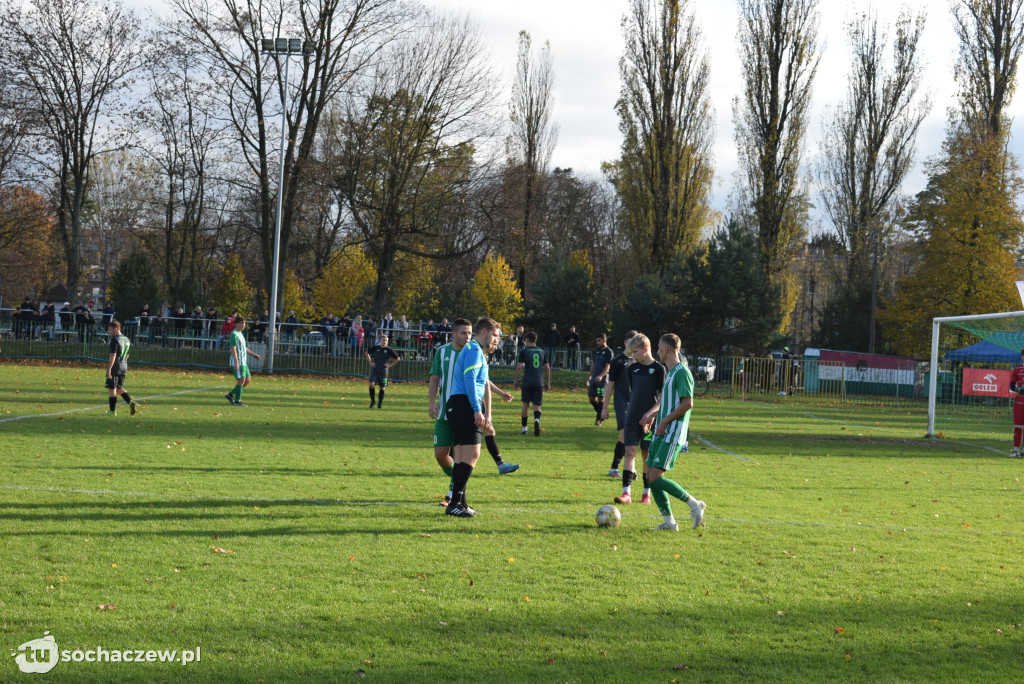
<point>1017,387</point>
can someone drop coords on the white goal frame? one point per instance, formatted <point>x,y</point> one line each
<point>933,376</point>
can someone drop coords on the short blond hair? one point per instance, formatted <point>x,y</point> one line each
<point>637,341</point>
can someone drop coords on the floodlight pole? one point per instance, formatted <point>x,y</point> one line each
<point>277,47</point>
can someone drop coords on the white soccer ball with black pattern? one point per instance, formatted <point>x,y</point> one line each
<point>608,516</point>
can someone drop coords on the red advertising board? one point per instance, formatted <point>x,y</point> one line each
<point>985,382</point>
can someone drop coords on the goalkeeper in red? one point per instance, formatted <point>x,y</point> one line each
<point>670,432</point>
<point>1017,387</point>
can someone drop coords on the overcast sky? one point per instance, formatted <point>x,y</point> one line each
<point>586,43</point>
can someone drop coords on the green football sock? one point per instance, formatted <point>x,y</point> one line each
<point>238,393</point>
<point>448,470</point>
<point>663,486</point>
<point>661,499</point>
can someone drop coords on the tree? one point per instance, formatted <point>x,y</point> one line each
<point>779,57</point>
<point>991,35</point>
<point>405,163</point>
<point>73,60</point>
<point>28,255</point>
<point>346,277</point>
<point>495,292</point>
<point>232,291</point>
<point>730,307</point>
<point>133,285</point>
<point>965,221</point>
<point>565,293</point>
<point>186,214</point>
<point>869,143</point>
<point>665,172</point>
<point>349,35</point>
<point>530,144</point>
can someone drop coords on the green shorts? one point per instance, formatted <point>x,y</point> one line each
<point>443,434</point>
<point>662,455</point>
<point>242,372</point>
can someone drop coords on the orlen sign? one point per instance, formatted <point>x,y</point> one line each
<point>984,382</point>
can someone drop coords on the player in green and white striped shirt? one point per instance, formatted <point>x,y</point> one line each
<point>441,381</point>
<point>240,354</point>
<point>673,423</point>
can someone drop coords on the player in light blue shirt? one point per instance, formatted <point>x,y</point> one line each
<point>469,410</point>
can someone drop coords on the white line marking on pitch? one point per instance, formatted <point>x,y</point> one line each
<point>724,451</point>
<point>401,504</point>
<point>93,408</point>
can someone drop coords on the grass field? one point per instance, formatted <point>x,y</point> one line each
<point>299,539</point>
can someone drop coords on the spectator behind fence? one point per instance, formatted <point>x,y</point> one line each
<point>402,328</point>
<point>424,342</point>
<point>329,331</point>
<point>260,330</point>
<point>210,327</point>
<point>291,324</point>
<point>108,313</point>
<point>444,330</point>
<point>552,340</point>
<point>387,326</point>
<point>226,330</point>
<point>572,346</point>
<point>67,317</point>
<point>356,333</point>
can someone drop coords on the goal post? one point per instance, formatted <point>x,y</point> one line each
<point>1005,331</point>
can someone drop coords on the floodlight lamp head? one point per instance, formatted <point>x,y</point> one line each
<point>309,47</point>
<point>281,44</point>
<point>295,45</point>
<point>267,44</point>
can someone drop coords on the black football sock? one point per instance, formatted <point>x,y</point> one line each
<point>492,449</point>
<point>647,483</point>
<point>381,399</point>
<point>113,403</point>
<point>127,399</point>
<point>620,451</point>
<point>627,477</point>
<point>536,416</point>
<point>373,395</point>
<point>597,408</point>
<point>524,421</point>
<point>460,476</point>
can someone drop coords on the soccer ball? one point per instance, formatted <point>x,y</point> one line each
<point>608,516</point>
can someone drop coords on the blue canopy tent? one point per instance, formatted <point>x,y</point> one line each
<point>985,352</point>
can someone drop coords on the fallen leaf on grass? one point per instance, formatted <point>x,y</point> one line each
<point>217,549</point>
<point>839,630</point>
<point>106,606</point>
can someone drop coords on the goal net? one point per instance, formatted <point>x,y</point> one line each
<point>968,382</point>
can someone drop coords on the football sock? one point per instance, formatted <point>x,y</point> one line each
<point>127,398</point>
<point>661,500</point>
<point>381,399</point>
<point>536,416</point>
<point>620,451</point>
<point>627,478</point>
<point>597,408</point>
<point>647,483</point>
<point>113,403</point>
<point>460,476</point>
<point>238,393</point>
<point>1017,437</point>
<point>492,449</point>
<point>448,470</point>
<point>373,395</point>
<point>524,421</point>
<point>665,486</point>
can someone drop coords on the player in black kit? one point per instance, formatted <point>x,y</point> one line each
<point>534,364</point>
<point>381,357</point>
<point>618,389</point>
<point>598,376</point>
<point>646,379</point>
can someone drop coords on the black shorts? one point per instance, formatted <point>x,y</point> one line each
<point>596,389</point>
<point>460,420</point>
<point>532,394</point>
<point>115,382</point>
<point>621,404</point>
<point>379,376</point>
<point>634,435</point>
